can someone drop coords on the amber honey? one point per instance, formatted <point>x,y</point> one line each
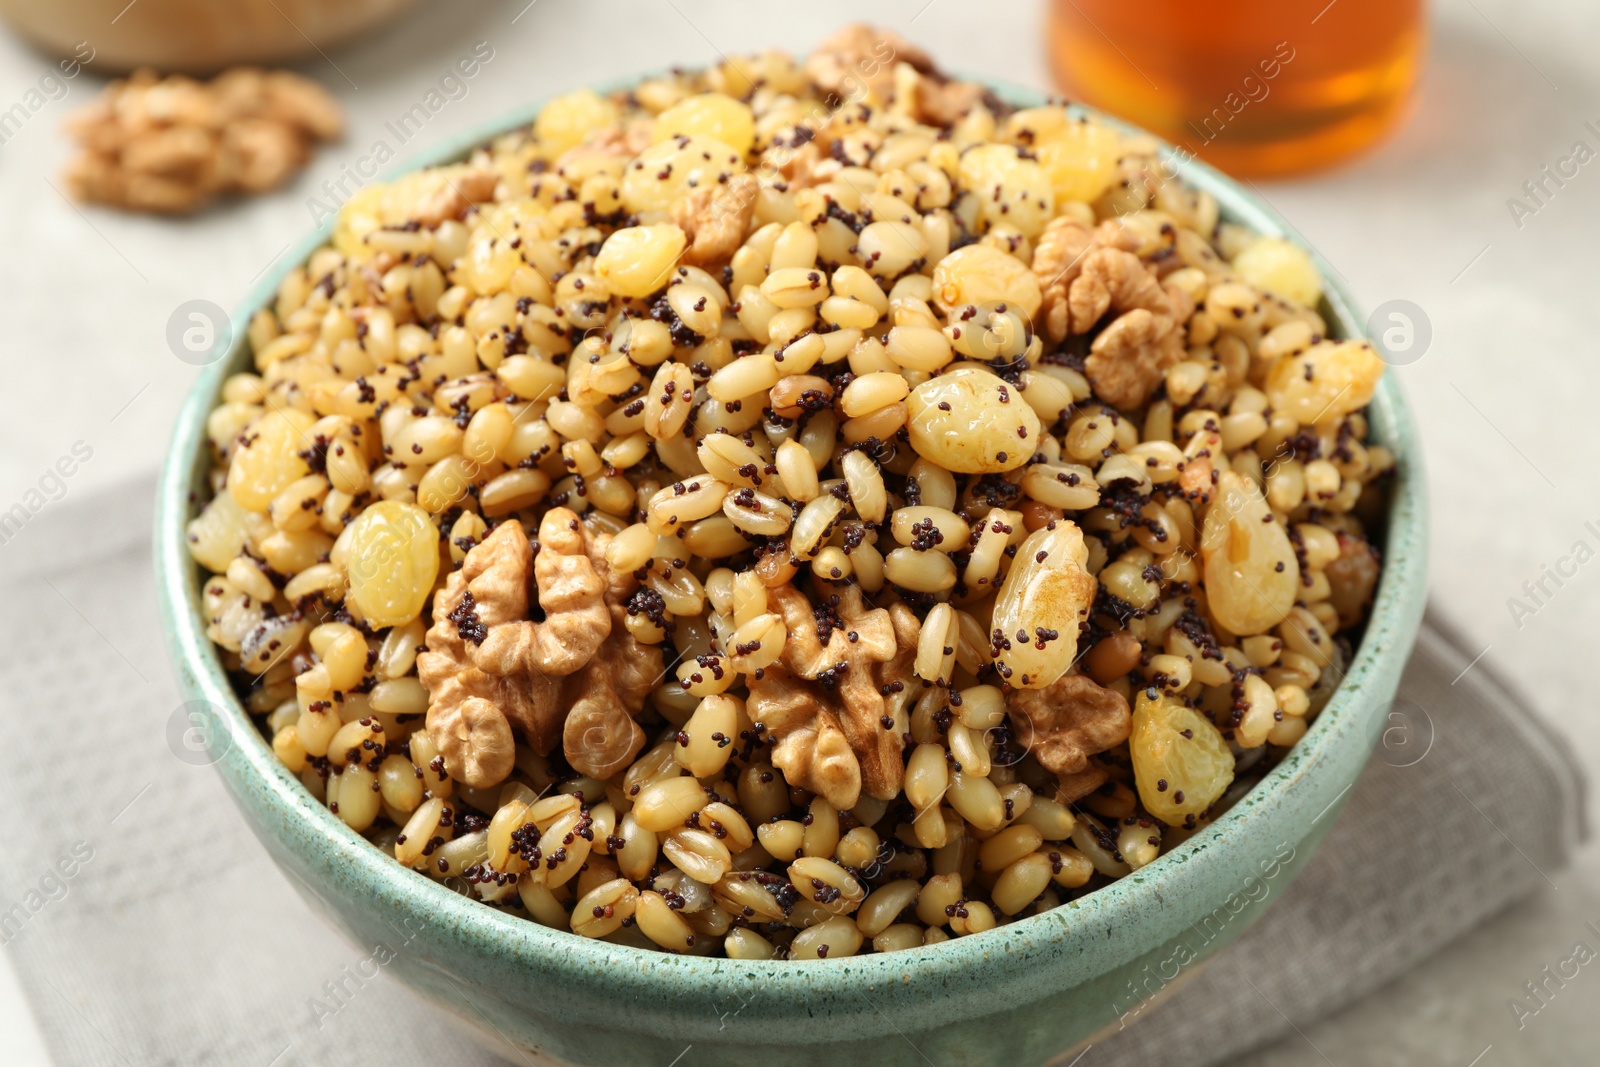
<point>1257,87</point>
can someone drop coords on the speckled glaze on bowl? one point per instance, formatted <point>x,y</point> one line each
<point>1027,993</point>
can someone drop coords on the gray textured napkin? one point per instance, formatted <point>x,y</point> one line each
<point>148,926</point>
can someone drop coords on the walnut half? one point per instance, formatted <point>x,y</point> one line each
<point>465,701</point>
<point>844,702</point>
<point>485,653</point>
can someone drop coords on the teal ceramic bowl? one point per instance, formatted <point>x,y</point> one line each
<point>1026,993</point>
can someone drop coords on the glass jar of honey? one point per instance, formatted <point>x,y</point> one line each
<point>1256,87</point>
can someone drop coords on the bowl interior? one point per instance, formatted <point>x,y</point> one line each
<point>309,827</point>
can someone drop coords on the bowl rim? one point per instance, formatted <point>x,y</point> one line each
<point>972,961</point>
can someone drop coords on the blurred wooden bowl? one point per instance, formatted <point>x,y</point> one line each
<point>194,36</point>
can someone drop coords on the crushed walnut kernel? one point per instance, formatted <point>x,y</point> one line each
<point>172,144</point>
<point>715,218</point>
<point>1070,720</point>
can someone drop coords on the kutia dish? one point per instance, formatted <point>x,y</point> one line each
<point>792,511</point>
<point>829,478</point>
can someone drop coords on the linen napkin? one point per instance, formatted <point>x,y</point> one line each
<point>149,927</point>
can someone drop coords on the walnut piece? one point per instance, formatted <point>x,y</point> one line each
<point>173,144</point>
<point>1352,578</point>
<point>457,194</point>
<point>862,58</point>
<point>620,142</point>
<point>847,697</point>
<point>1113,279</point>
<point>1058,260</point>
<point>570,592</point>
<point>600,738</point>
<point>475,741</point>
<point>1131,355</point>
<point>811,749</point>
<point>257,155</point>
<point>613,142</point>
<point>941,101</point>
<point>806,166</point>
<point>577,678</point>
<point>1068,721</point>
<point>247,92</point>
<point>715,218</point>
<point>1071,788</point>
<point>489,589</point>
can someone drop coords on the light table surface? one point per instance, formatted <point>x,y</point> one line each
<point>1503,394</point>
